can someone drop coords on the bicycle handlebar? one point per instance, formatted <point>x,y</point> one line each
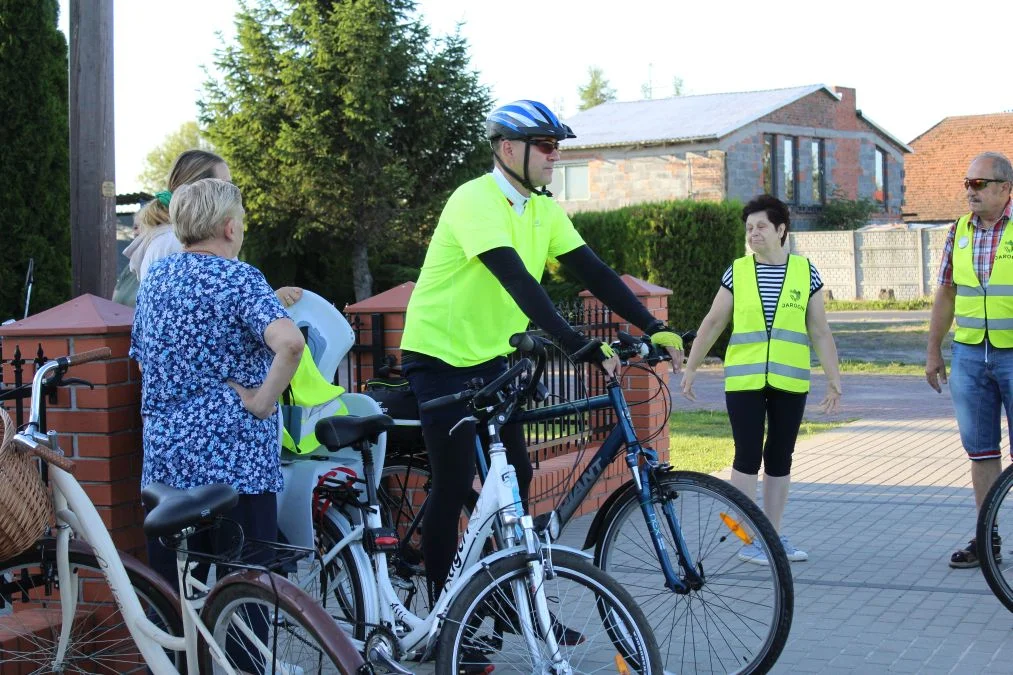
<point>488,395</point>
<point>85,357</point>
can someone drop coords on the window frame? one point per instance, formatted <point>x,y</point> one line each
<point>790,143</point>
<point>818,170</point>
<point>880,174</point>
<point>768,160</point>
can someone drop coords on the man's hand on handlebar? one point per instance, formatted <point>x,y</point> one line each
<point>673,345</point>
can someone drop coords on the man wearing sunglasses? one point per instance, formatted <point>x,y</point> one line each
<point>478,286</point>
<point>976,286</point>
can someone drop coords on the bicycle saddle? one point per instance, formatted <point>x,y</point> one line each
<point>344,431</point>
<point>171,510</point>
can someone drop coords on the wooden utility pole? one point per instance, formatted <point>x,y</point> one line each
<point>92,156</point>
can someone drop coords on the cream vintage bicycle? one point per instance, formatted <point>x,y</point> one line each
<point>71,602</point>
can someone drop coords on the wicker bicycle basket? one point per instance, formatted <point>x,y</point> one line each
<point>25,505</point>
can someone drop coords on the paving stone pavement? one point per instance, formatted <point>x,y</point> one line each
<point>879,504</point>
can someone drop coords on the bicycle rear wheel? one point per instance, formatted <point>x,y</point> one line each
<point>259,620</point>
<point>596,621</point>
<point>30,615</point>
<point>995,519</point>
<point>739,619</point>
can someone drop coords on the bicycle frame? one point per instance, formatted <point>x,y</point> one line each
<point>76,512</point>
<point>500,496</point>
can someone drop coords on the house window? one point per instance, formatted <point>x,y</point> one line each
<point>790,168</point>
<point>768,164</point>
<point>570,182</point>
<point>818,171</point>
<point>880,195</point>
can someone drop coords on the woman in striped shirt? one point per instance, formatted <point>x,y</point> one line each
<point>767,221</point>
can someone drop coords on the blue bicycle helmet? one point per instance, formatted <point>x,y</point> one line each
<point>525,119</point>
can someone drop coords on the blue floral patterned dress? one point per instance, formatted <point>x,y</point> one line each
<point>199,322</point>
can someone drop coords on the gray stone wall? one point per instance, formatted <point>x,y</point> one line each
<point>866,265</point>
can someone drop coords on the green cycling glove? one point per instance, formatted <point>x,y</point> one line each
<point>665,338</point>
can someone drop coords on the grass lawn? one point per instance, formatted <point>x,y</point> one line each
<point>702,440</point>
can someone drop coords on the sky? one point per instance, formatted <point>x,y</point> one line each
<point>910,65</point>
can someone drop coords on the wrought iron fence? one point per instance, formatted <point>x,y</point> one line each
<point>18,390</point>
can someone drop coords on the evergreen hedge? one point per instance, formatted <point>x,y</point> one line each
<point>35,156</point>
<point>682,245</point>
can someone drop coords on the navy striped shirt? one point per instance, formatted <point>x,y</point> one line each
<point>770,278</point>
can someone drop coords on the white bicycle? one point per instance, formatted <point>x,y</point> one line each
<point>529,607</point>
<point>74,603</point>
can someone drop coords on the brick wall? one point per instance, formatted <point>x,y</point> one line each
<point>618,179</point>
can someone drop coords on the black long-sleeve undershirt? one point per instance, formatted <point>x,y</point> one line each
<point>508,268</point>
<point>605,284</point>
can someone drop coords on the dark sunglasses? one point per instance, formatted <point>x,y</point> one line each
<point>545,147</point>
<point>977,184</point>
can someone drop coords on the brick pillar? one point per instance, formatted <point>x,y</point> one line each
<point>647,405</point>
<point>379,324</point>
<point>100,428</point>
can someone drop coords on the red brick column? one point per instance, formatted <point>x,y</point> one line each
<point>382,315</point>
<point>647,404</point>
<point>101,428</point>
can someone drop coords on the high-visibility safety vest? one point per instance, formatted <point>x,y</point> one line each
<point>981,309</point>
<point>780,358</point>
<point>309,399</point>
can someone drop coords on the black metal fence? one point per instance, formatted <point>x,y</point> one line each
<point>16,392</point>
<point>564,380</point>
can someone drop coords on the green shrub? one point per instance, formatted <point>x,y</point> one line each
<point>684,246</point>
<point>35,157</point>
<point>841,213</point>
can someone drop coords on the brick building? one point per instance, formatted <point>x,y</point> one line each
<point>935,172</point>
<point>803,144</point>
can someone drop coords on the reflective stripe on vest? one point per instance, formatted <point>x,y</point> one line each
<point>781,359</point>
<point>979,309</point>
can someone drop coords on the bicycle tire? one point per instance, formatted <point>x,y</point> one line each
<point>623,631</point>
<point>997,512</point>
<point>305,638</point>
<point>100,641</point>
<point>739,620</point>
<point>402,495</point>
<point>343,599</point>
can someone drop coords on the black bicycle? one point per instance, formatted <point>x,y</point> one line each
<point>671,537</point>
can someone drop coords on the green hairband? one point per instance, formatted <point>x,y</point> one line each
<point>164,196</point>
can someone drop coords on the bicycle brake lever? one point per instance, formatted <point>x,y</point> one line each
<point>469,418</point>
<point>76,380</point>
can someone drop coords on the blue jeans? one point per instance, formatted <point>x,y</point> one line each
<point>981,384</point>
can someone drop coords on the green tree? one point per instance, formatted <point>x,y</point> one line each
<point>597,89</point>
<point>159,161</point>
<point>346,125</point>
<point>35,156</point>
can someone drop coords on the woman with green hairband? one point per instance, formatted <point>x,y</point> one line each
<point>157,239</point>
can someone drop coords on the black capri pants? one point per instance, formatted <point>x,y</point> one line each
<point>452,457</point>
<point>747,411</point>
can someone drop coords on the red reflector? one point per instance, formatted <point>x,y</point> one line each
<point>386,541</point>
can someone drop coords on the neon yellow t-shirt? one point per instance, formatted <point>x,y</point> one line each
<point>459,312</point>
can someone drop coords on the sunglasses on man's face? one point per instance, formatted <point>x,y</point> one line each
<point>977,184</point>
<point>545,147</point>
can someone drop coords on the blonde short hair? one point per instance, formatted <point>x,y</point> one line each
<point>199,210</point>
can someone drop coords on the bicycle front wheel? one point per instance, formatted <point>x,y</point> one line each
<point>739,618</point>
<point>995,523</point>
<point>99,639</point>
<point>596,623</point>
<point>263,623</point>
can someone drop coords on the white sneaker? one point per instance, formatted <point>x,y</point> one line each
<point>751,553</point>
<point>794,554</point>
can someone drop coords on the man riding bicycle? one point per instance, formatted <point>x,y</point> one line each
<point>478,286</point>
